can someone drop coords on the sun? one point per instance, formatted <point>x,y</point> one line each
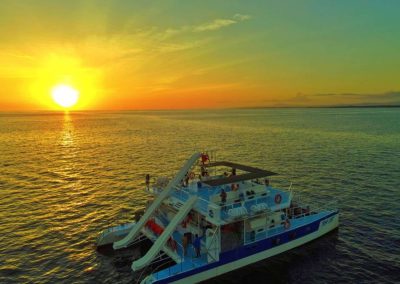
<point>65,96</point>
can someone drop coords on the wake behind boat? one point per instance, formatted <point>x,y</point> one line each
<point>217,216</point>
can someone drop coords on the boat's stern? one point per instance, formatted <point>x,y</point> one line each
<point>113,234</point>
<point>148,279</point>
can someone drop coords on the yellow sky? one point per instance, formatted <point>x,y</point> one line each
<point>173,54</point>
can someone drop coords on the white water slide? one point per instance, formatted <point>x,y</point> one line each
<point>125,242</point>
<point>163,238</point>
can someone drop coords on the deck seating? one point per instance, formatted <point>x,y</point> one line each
<point>259,207</point>
<point>255,191</point>
<point>237,212</point>
<point>231,196</point>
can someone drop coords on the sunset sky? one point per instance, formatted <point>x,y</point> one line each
<point>199,54</point>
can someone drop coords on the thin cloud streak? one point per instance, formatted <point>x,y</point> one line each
<point>214,25</point>
<point>221,23</point>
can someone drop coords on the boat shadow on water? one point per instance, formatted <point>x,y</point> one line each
<point>122,259</point>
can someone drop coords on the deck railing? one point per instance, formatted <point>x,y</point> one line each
<point>301,210</point>
<point>179,267</point>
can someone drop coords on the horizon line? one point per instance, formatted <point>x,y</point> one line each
<point>208,109</point>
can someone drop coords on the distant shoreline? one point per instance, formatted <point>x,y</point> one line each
<point>202,109</point>
<point>339,106</point>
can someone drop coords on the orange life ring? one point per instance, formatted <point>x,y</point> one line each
<point>287,224</point>
<point>278,198</point>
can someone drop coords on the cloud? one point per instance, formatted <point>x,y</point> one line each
<point>161,39</point>
<point>171,32</point>
<point>241,17</point>
<point>221,23</point>
<point>172,47</point>
<point>214,25</point>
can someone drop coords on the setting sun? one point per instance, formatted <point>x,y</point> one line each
<point>65,96</point>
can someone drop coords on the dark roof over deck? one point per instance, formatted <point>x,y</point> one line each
<point>253,173</point>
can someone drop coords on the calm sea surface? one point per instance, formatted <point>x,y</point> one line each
<point>64,178</point>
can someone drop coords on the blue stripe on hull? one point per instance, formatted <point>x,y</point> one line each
<point>253,248</point>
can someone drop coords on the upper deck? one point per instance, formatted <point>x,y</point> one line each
<point>244,199</point>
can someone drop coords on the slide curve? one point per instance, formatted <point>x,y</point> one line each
<point>125,242</point>
<point>163,238</point>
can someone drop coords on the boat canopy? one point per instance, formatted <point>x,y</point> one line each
<point>252,173</point>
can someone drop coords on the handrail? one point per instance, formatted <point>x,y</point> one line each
<point>311,210</point>
<point>207,250</point>
<point>290,192</point>
<point>318,205</point>
<point>154,270</point>
<point>149,266</point>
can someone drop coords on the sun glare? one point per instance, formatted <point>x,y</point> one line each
<point>65,96</point>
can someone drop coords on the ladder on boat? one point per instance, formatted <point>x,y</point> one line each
<point>125,242</point>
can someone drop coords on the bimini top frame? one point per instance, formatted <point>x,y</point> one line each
<point>252,173</point>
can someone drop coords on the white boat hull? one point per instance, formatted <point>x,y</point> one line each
<point>111,235</point>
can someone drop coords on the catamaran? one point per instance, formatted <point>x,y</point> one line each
<point>214,217</point>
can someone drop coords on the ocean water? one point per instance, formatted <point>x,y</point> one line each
<point>66,177</point>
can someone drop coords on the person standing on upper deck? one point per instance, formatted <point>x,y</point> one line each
<point>223,196</point>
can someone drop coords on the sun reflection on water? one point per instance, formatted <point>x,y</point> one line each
<point>68,131</point>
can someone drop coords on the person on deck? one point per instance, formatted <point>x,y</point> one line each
<point>184,244</point>
<point>205,159</point>
<point>186,182</point>
<point>203,171</point>
<point>197,245</point>
<point>234,186</point>
<point>223,197</point>
<point>148,181</point>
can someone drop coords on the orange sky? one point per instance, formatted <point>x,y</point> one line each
<point>172,55</point>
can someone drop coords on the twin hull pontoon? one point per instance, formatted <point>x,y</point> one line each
<point>210,222</point>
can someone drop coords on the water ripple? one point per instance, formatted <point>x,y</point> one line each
<point>63,179</point>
